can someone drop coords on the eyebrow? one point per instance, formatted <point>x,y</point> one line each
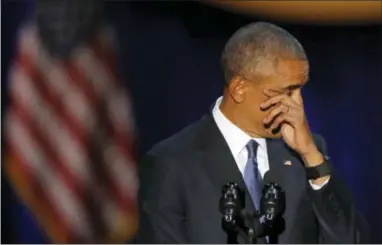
<point>292,87</point>
<point>295,86</point>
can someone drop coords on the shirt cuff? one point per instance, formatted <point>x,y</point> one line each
<point>317,187</point>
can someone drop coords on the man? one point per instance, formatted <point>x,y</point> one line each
<point>257,126</point>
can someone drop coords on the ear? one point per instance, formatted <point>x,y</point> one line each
<point>237,90</point>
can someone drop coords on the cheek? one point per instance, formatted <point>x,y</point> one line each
<point>262,114</point>
<point>252,106</point>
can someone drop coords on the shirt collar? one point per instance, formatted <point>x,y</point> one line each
<point>236,138</point>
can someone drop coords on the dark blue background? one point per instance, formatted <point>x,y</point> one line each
<point>170,57</point>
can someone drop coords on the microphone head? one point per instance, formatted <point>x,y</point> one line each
<point>232,198</point>
<point>273,197</point>
<point>268,181</point>
<point>269,177</point>
<point>230,205</point>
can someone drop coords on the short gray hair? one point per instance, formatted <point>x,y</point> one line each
<point>255,43</point>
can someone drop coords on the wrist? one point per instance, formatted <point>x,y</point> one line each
<point>320,181</point>
<point>312,158</point>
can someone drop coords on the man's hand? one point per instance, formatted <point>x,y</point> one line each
<point>288,112</point>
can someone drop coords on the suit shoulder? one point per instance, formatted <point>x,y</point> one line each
<point>318,138</point>
<point>181,143</point>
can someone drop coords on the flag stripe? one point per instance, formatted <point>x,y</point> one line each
<point>91,97</point>
<point>68,148</point>
<point>45,146</point>
<point>32,189</point>
<point>75,105</point>
<point>106,173</point>
<point>65,174</point>
<point>51,98</point>
<point>70,134</point>
<point>124,144</point>
<point>101,81</point>
<point>103,52</point>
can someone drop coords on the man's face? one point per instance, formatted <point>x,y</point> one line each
<point>287,77</point>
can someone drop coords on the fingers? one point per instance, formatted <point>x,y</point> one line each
<point>282,98</point>
<point>272,92</point>
<point>282,118</point>
<point>284,109</point>
<point>275,112</point>
<point>282,114</point>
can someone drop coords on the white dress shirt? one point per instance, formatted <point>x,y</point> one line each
<point>237,139</point>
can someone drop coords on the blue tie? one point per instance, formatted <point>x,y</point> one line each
<point>252,175</point>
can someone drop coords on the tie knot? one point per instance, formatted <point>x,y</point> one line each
<point>252,149</point>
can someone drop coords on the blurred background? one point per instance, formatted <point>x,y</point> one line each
<point>167,58</point>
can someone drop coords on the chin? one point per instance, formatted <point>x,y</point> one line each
<point>273,136</point>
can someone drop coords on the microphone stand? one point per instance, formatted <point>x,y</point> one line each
<point>265,222</point>
<point>252,230</point>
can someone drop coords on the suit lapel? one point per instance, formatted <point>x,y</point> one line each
<point>287,171</point>
<point>218,162</point>
<point>284,163</point>
<point>276,157</point>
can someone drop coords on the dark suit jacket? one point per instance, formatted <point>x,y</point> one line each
<point>181,181</point>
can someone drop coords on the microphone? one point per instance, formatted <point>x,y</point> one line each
<point>272,205</point>
<point>267,221</point>
<point>231,204</point>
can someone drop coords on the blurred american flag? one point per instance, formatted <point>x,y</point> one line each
<point>69,135</point>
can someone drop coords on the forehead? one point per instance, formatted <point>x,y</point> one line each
<point>291,71</point>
